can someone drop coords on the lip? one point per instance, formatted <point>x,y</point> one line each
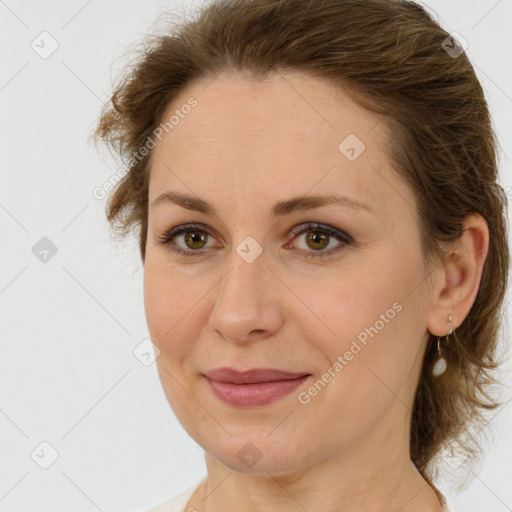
<point>255,375</point>
<point>252,388</point>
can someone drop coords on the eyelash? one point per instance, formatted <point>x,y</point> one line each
<point>345,239</point>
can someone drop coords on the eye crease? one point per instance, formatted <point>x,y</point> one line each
<point>318,237</point>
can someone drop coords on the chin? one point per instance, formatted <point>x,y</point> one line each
<point>256,453</point>
<point>275,464</point>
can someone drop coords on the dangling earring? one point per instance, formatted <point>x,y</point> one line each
<point>440,365</point>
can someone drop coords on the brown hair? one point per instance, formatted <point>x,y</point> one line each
<point>392,57</point>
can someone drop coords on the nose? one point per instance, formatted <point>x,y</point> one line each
<point>247,303</point>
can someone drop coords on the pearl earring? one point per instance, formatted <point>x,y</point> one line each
<point>440,365</point>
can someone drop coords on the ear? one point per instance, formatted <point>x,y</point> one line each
<point>456,288</point>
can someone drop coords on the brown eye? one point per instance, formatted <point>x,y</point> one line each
<point>193,239</point>
<point>318,237</point>
<point>317,240</point>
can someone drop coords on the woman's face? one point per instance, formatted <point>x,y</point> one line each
<point>263,286</point>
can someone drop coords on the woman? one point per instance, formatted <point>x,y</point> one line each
<point>324,248</point>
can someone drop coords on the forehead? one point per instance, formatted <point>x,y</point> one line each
<point>299,107</point>
<point>283,135</point>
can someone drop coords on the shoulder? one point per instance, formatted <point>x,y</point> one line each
<point>177,502</point>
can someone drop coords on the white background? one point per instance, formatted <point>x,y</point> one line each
<point>68,327</point>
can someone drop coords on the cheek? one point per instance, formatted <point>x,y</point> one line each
<point>169,306</point>
<point>346,304</point>
<point>156,304</point>
<point>377,333</point>
<point>367,312</point>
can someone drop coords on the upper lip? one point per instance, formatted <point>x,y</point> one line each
<point>251,376</point>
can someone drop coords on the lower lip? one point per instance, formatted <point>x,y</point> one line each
<point>253,395</point>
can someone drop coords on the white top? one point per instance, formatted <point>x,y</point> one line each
<point>178,502</point>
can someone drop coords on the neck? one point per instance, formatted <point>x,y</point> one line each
<point>360,481</point>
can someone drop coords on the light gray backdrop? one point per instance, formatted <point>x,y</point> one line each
<point>84,424</point>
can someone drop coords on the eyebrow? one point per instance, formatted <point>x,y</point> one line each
<point>281,208</point>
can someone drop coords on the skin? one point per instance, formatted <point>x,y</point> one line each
<point>247,145</point>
